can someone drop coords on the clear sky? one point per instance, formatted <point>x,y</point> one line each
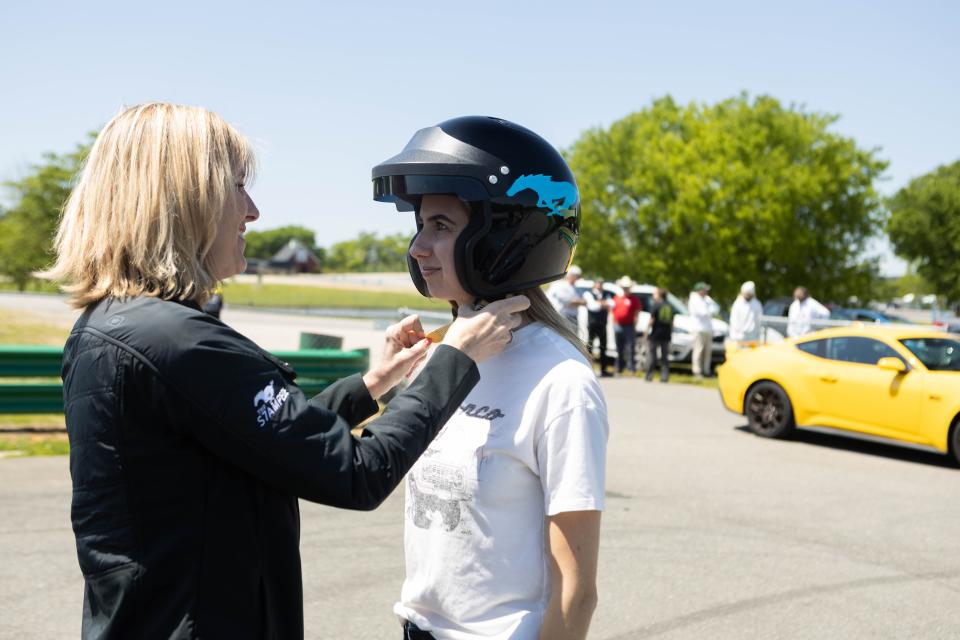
<point>328,89</point>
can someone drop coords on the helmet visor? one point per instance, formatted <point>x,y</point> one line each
<point>405,191</point>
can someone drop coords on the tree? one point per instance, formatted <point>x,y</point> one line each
<point>924,228</point>
<point>265,244</point>
<point>27,228</point>
<point>369,253</point>
<point>741,190</point>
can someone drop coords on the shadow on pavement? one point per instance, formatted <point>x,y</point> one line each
<point>865,447</point>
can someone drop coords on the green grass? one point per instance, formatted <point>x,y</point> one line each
<point>676,377</point>
<point>33,286</point>
<point>19,328</point>
<point>38,445</point>
<point>305,296</point>
<point>20,420</point>
<point>686,378</point>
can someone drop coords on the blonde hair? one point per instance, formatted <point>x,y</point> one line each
<point>144,213</point>
<point>542,311</point>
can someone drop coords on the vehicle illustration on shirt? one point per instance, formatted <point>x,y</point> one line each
<point>427,506</point>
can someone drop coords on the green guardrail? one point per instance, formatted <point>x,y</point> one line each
<point>316,369</point>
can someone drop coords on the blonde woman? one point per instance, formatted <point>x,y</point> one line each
<point>189,444</point>
<point>502,520</point>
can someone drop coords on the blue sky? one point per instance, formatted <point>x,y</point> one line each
<point>328,89</point>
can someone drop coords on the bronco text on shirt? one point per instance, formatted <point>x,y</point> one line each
<point>529,441</point>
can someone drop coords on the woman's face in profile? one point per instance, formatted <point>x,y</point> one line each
<point>226,255</point>
<point>443,218</point>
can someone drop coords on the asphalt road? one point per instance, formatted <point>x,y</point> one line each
<point>709,532</point>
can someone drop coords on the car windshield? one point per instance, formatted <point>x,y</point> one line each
<point>936,354</point>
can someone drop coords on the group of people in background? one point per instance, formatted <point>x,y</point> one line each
<point>745,328</point>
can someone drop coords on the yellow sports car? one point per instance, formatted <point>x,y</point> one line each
<point>896,384</point>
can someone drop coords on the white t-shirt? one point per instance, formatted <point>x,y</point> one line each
<point>802,315</point>
<point>529,441</point>
<point>745,319</point>
<point>703,308</point>
<point>561,294</point>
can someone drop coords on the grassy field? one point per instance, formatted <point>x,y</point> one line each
<point>22,328</point>
<point>17,446</point>
<point>304,296</point>
<point>34,286</point>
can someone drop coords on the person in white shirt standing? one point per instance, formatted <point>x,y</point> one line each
<point>564,298</point>
<point>702,308</point>
<point>745,317</point>
<point>502,518</point>
<point>804,311</point>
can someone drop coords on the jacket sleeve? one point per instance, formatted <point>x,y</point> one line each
<point>246,410</point>
<point>349,398</point>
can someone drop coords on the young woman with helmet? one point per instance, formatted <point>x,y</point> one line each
<point>503,509</point>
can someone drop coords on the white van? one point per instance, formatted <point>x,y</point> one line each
<point>684,325</point>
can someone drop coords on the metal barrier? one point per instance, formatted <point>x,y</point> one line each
<point>29,375</point>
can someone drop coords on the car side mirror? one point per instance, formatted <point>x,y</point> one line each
<point>892,364</point>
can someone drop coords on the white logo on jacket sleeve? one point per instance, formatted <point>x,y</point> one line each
<point>267,402</point>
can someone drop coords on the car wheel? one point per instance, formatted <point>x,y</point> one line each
<point>769,411</point>
<point>955,441</point>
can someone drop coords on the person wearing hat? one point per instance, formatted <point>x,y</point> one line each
<point>626,308</point>
<point>702,308</point>
<point>745,317</point>
<point>563,296</point>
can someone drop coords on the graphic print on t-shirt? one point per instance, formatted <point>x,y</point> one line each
<point>444,481</point>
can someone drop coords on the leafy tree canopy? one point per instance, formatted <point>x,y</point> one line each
<point>265,244</point>
<point>740,190</point>
<point>369,252</point>
<point>28,227</point>
<point>924,228</point>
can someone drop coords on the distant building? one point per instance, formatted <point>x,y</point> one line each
<point>295,257</point>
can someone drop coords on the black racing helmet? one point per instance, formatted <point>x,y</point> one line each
<point>524,202</point>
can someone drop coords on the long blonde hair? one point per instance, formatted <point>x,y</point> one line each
<point>144,213</point>
<point>542,311</point>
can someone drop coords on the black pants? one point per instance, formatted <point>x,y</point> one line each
<point>413,632</point>
<point>599,332</point>
<point>653,347</point>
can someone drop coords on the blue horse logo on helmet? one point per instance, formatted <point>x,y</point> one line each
<point>555,196</point>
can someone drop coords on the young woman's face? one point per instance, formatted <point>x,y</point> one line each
<point>226,255</point>
<point>443,219</point>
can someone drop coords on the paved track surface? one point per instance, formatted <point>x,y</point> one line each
<point>709,532</point>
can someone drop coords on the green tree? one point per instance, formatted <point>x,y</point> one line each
<point>740,190</point>
<point>265,244</point>
<point>369,252</point>
<point>28,227</point>
<point>924,228</point>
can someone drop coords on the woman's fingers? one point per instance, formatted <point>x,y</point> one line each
<point>513,304</point>
<point>411,324</point>
<point>409,331</point>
